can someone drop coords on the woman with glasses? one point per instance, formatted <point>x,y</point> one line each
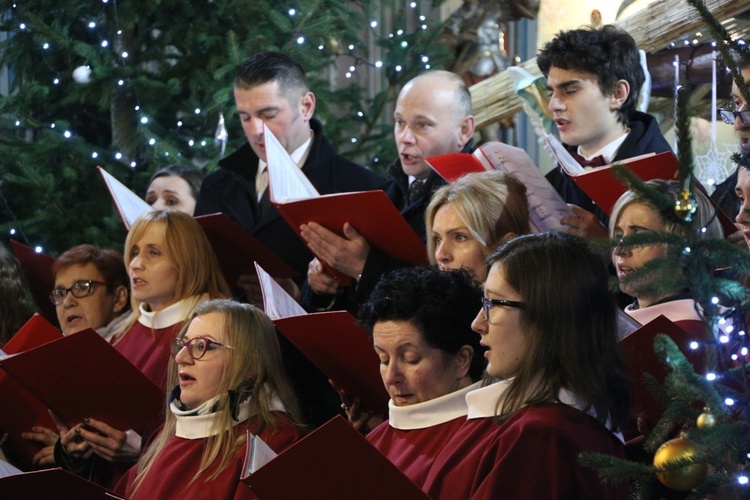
<point>548,322</point>
<point>172,269</point>
<point>91,290</point>
<point>420,321</point>
<point>228,379</point>
<point>469,218</point>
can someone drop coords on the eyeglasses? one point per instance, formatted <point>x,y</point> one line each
<point>80,289</point>
<point>488,303</point>
<point>196,347</point>
<point>729,114</point>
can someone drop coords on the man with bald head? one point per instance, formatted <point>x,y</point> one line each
<point>433,116</point>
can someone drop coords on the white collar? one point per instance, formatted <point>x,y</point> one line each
<point>202,426</point>
<point>674,310</point>
<point>429,413</point>
<point>170,315</point>
<point>609,151</point>
<point>482,403</point>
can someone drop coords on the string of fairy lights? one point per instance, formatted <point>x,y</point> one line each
<point>728,333</point>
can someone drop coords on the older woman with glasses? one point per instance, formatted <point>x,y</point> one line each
<point>420,320</point>
<point>228,379</point>
<point>548,322</point>
<point>91,291</point>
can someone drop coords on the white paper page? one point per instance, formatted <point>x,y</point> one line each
<point>129,204</point>
<point>546,206</point>
<point>3,354</point>
<point>286,181</point>
<point>258,454</point>
<point>565,159</point>
<point>8,470</point>
<point>276,302</point>
<point>625,325</point>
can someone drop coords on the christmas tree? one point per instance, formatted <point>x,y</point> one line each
<point>701,444</point>
<point>134,86</point>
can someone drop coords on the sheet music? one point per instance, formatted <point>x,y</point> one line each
<point>129,204</point>
<point>286,181</point>
<point>258,454</point>
<point>625,325</point>
<point>546,207</point>
<point>8,470</point>
<point>276,302</point>
<point>565,159</point>
<point>3,354</point>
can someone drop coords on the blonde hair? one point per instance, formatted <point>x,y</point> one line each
<point>186,246</point>
<point>492,204</point>
<point>705,216</point>
<point>256,368</point>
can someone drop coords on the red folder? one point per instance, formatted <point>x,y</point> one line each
<point>334,461</point>
<point>452,166</point>
<point>82,375</point>
<point>37,269</point>
<point>236,249</point>
<point>341,349</point>
<point>371,213</point>
<point>53,483</point>
<point>638,352</point>
<point>604,189</point>
<point>20,410</point>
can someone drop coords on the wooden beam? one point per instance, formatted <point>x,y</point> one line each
<point>653,28</point>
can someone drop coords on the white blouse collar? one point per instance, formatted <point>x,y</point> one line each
<point>429,413</point>
<point>202,426</point>
<point>170,315</point>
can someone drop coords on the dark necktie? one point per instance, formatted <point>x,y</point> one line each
<point>416,190</point>
<point>596,161</point>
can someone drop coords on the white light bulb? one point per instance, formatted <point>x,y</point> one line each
<point>105,43</point>
<point>292,12</point>
<point>152,141</point>
<point>694,345</point>
<point>118,156</point>
<point>197,111</point>
<point>710,376</point>
<point>38,249</point>
<point>132,164</point>
<point>67,134</point>
<point>144,120</point>
<point>95,155</point>
<point>300,40</point>
<point>92,24</point>
<point>373,24</point>
<point>378,64</point>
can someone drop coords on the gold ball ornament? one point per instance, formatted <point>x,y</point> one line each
<point>705,419</point>
<point>685,206</point>
<point>685,478</point>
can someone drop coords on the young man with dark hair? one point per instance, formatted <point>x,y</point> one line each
<point>594,77</point>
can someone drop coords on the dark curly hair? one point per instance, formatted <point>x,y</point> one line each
<point>607,52</point>
<point>440,304</point>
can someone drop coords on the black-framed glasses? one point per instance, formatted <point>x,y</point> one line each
<point>488,303</point>
<point>729,114</point>
<point>197,347</point>
<point>80,289</point>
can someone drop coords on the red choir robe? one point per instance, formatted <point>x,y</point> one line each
<point>178,462</point>
<point>533,454</point>
<point>147,343</point>
<point>414,435</point>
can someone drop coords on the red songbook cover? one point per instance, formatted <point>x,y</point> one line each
<point>341,349</point>
<point>236,249</point>
<point>37,269</point>
<point>334,461</point>
<point>371,213</point>
<point>82,375</point>
<point>452,166</point>
<point>53,483</point>
<point>21,410</point>
<point>638,352</point>
<point>602,186</point>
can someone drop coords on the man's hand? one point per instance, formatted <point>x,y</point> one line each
<point>583,223</point>
<point>320,281</point>
<point>250,284</point>
<point>347,255</point>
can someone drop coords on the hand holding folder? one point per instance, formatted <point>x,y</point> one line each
<point>370,213</point>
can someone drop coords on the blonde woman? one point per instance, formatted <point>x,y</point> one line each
<point>469,218</point>
<point>228,378</point>
<point>172,269</point>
